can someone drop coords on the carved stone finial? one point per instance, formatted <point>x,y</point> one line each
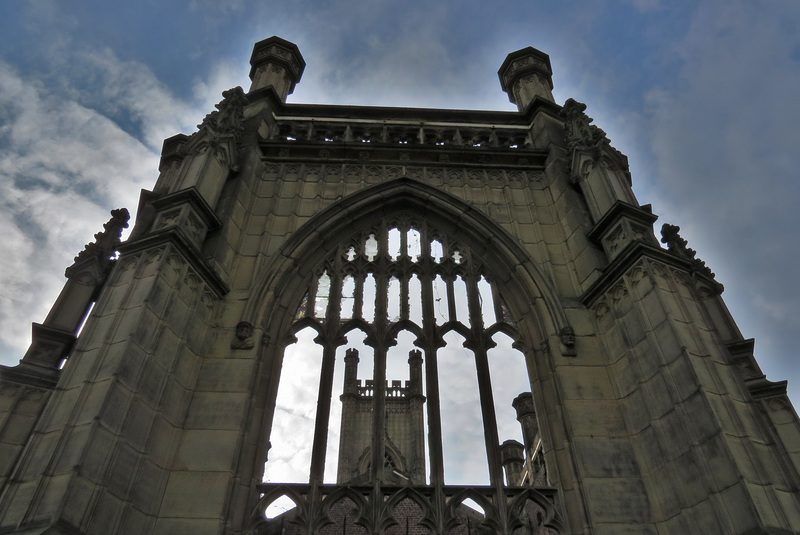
<point>670,235</point>
<point>229,115</point>
<point>105,243</point>
<point>567,338</point>
<point>276,63</point>
<point>244,336</point>
<point>526,74</point>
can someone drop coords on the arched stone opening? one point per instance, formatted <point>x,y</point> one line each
<point>407,238</point>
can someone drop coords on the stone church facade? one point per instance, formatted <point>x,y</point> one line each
<point>647,411</point>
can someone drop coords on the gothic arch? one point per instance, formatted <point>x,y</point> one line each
<point>282,284</point>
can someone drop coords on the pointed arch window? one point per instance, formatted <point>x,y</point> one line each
<point>403,275</point>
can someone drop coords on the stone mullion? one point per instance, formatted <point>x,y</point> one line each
<point>379,347</point>
<point>404,297</point>
<point>334,301</point>
<point>431,373</point>
<point>320,443</point>
<point>358,296</point>
<point>480,344</point>
<point>451,297</point>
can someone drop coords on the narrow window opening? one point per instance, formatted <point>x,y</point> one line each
<point>394,244</point>
<point>292,434</point>
<point>457,258</point>
<point>414,245</point>
<point>509,376</point>
<point>462,309</point>
<point>415,300</point>
<point>393,304</point>
<point>370,292</point>
<point>440,307</point>
<point>463,444</point>
<point>323,292</point>
<point>437,251</point>
<point>344,424</point>
<point>351,254</point>
<point>487,302</point>
<point>371,247</point>
<point>348,297</point>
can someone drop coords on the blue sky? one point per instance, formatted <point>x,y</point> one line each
<point>701,96</point>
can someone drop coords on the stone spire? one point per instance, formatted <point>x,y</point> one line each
<point>276,63</point>
<point>526,74</point>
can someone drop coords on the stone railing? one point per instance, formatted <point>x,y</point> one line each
<point>444,510</point>
<point>404,133</point>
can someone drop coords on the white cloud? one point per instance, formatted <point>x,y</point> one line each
<point>722,131</point>
<point>63,166</point>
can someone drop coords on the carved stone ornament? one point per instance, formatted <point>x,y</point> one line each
<point>229,115</point>
<point>105,243</point>
<point>679,247</point>
<point>581,133</point>
<point>567,337</point>
<point>244,336</point>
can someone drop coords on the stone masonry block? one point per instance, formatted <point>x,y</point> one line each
<point>216,410</point>
<point>647,450</point>
<point>195,495</point>
<point>585,382</point>
<point>96,457</point>
<point>657,395</point>
<point>109,400</point>
<point>202,450</point>
<point>163,442</point>
<point>624,375</point>
<point>622,500</point>
<point>148,486</point>
<point>595,417</point>
<point>706,421</point>
<point>229,375</point>
<point>738,505</point>
<point>187,526</point>
<point>71,449</point>
<point>81,495</point>
<point>134,522</point>
<point>176,401</point>
<point>716,454</point>
<point>602,457</point>
<point>635,412</point>
<point>138,423</point>
<point>673,434</point>
<point>664,495</point>
<point>121,469</point>
<point>104,516</point>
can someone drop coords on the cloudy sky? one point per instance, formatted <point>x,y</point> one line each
<point>701,96</point>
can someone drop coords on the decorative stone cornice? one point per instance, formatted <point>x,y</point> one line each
<point>582,135</point>
<point>641,214</point>
<point>173,237</point>
<point>104,245</point>
<point>670,235</point>
<point>228,118</point>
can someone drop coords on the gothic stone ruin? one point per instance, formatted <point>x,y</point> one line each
<point>368,235</point>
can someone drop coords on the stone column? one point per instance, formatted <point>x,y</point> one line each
<point>526,416</point>
<point>512,454</point>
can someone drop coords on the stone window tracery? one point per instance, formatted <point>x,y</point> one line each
<point>402,275</point>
